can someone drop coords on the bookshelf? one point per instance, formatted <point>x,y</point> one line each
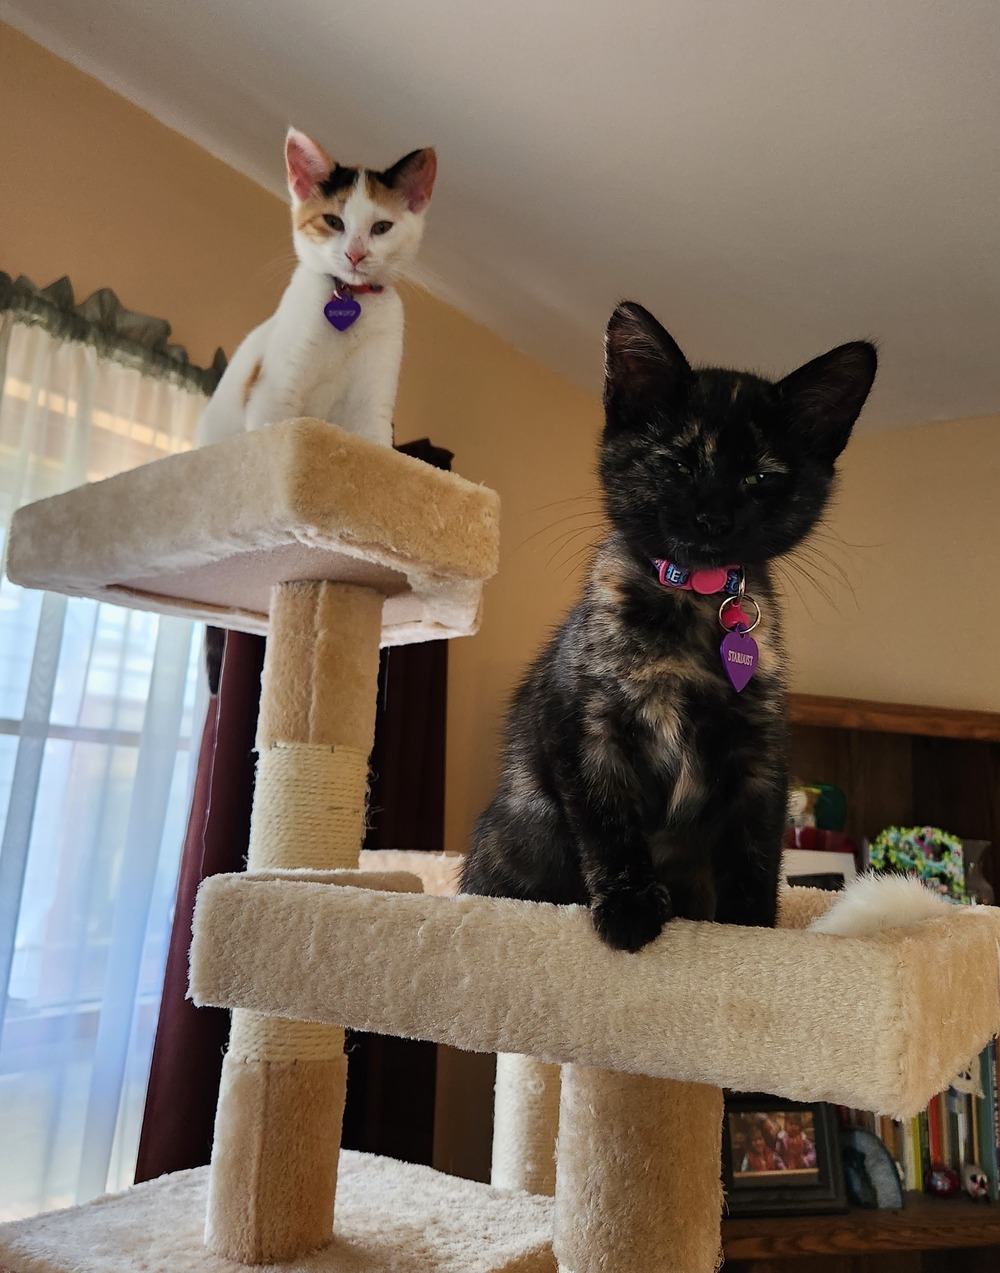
<point>905,765</point>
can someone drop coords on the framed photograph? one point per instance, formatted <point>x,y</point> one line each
<point>780,1157</point>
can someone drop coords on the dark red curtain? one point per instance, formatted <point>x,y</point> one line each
<point>406,801</point>
<point>390,1102</point>
<point>187,1052</point>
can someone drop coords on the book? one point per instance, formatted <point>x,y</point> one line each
<point>918,1153</point>
<point>799,862</point>
<point>935,1134</point>
<point>925,1153</point>
<point>985,1112</point>
<point>908,1159</point>
<point>955,1141</point>
<point>963,1103</point>
<point>995,1111</point>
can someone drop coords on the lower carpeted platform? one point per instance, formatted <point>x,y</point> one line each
<point>391,1217</point>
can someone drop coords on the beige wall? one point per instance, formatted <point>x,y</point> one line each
<point>529,435</point>
<point>99,190</point>
<point>917,529</point>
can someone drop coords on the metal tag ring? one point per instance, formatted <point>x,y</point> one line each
<point>732,601</point>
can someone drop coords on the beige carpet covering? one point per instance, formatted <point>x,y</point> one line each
<point>208,533</point>
<point>439,872</point>
<point>391,1218</point>
<point>881,1022</point>
<point>798,907</point>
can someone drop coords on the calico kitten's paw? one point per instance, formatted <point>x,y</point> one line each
<point>629,918</point>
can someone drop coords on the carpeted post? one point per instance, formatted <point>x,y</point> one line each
<point>277,1135</point>
<point>525,1123</point>
<point>638,1180</point>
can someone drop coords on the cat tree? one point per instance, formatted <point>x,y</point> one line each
<point>333,544</point>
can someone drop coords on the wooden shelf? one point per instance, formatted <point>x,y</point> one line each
<point>924,1224</point>
<point>894,718</point>
<point>900,765</point>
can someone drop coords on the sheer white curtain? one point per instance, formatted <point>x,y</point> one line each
<point>97,710</point>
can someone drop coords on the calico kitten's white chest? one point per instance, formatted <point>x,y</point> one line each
<point>303,338</point>
<point>345,377</point>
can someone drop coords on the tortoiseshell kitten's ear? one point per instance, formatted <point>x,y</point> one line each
<point>823,398</point>
<point>642,362</point>
<point>307,163</point>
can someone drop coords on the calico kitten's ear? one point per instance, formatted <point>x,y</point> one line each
<point>824,398</point>
<point>306,162</point>
<point>413,176</point>
<point>641,357</point>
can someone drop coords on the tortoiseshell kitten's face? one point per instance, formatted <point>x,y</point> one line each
<point>355,224</point>
<point>708,467</point>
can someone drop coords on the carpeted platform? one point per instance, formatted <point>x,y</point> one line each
<point>207,534</point>
<point>391,1218</point>
<point>704,1003</point>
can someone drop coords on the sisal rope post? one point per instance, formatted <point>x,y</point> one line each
<point>273,1178</point>
<point>638,1185</point>
<point>525,1124</point>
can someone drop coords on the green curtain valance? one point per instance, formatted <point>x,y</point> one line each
<point>135,340</point>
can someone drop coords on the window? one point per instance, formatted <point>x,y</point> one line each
<point>98,706</point>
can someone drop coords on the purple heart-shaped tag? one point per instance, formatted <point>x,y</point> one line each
<point>341,311</point>
<point>739,657</point>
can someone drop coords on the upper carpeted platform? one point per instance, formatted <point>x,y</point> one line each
<point>208,533</point>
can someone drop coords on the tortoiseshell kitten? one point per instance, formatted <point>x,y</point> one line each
<point>634,778</point>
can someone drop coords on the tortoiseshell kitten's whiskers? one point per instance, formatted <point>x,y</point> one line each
<point>634,779</point>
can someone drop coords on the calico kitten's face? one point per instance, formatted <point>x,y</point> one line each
<point>360,226</point>
<point>711,467</point>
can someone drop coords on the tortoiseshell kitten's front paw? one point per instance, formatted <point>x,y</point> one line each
<point>629,918</point>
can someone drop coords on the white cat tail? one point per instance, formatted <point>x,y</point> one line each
<point>307,163</point>
<point>872,903</point>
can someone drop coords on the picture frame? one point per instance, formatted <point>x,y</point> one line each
<point>781,1157</point>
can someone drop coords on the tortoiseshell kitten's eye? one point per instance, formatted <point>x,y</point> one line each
<point>382,227</point>
<point>333,222</point>
<point>757,479</point>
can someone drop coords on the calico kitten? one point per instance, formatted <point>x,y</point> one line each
<point>332,349</point>
<point>635,779</point>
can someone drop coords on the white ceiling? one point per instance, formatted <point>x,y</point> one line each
<point>770,177</point>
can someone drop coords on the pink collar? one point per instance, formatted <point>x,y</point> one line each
<point>349,289</point>
<point>725,579</point>
<point>343,308</point>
